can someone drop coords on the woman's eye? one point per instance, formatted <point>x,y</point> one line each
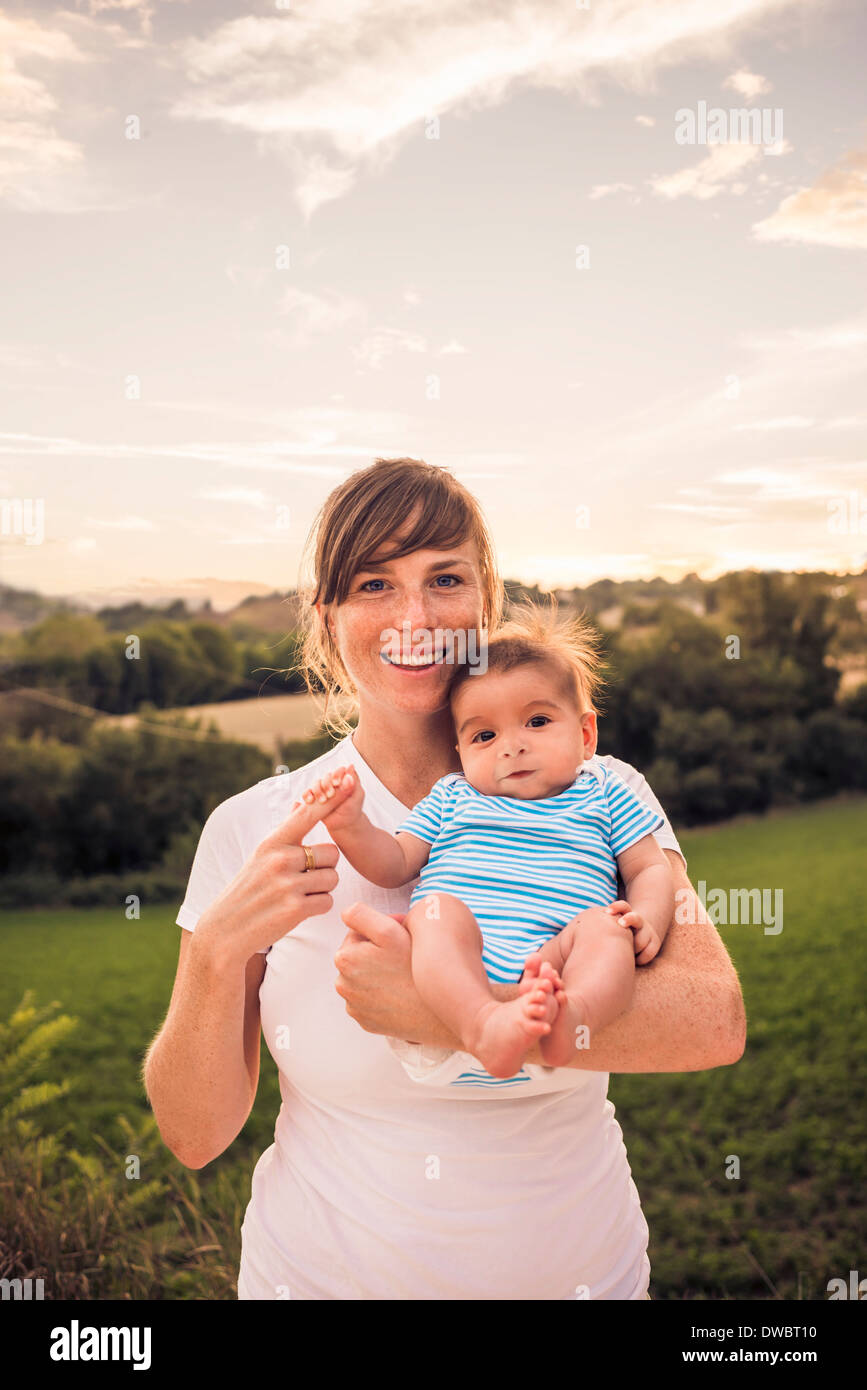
<point>454,577</point>
<point>372,581</point>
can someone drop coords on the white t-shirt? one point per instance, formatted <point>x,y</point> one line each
<point>377,1188</point>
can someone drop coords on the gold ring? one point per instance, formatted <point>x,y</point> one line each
<point>310,857</point>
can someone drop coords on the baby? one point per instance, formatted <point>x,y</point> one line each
<point>510,851</point>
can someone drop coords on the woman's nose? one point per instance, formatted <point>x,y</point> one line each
<point>416,611</point>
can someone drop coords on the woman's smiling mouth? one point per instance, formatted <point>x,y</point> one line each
<point>413,665</point>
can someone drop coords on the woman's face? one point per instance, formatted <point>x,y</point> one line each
<point>426,605</point>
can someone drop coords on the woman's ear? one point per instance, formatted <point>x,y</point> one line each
<point>324,618</point>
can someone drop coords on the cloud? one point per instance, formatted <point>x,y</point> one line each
<point>317,313</point>
<point>603,190</point>
<point>747,84</point>
<point>342,83</point>
<point>645,120</point>
<point>32,152</point>
<point>374,349</point>
<point>142,9</point>
<point>41,168</point>
<point>317,181</point>
<point>123,523</point>
<point>716,511</point>
<point>850,337</point>
<point>783,422</point>
<point>253,276</point>
<point>272,455</point>
<point>712,175</point>
<point>246,496</point>
<point>776,485</point>
<point>831,213</point>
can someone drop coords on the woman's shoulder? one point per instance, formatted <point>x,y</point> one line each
<point>624,772</point>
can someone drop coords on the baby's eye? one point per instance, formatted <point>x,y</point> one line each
<point>534,721</point>
<point>483,736</point>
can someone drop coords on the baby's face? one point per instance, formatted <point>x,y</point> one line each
<point>519,735</point>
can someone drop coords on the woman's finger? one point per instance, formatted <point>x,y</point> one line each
<point>299,822</point>
<point>320,880</point>
<point>374,926</point>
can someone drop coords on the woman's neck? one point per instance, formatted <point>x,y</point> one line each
<point>407,752</point>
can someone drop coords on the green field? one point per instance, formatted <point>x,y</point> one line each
<point>792,1111</point>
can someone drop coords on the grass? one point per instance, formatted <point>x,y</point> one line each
<point>791,1112</point>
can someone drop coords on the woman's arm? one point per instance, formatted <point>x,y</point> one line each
<point>687,1012</point>
<point>201,1071</point>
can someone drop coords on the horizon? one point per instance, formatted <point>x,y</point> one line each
<point>168,595</point>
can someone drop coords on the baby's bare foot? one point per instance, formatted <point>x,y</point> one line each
<point>536,969</point>
<point>504,1033</point>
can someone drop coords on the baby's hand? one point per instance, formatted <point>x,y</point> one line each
<point>341,795</point>
<point>646,940</point>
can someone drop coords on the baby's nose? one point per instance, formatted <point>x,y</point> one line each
<point>514,745</point>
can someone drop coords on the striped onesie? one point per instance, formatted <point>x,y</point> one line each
<point>526,868</point>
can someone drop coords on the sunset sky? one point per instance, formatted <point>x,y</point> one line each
<point>249,248</point>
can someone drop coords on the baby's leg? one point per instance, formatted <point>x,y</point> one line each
<point>598,973</point>
<point>449,974</point>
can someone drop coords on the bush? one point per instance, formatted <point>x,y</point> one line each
<point>832,756</point>
<point>121,1221</point>
<point>854,706</point>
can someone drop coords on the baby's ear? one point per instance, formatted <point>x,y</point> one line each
<point>593,738</point>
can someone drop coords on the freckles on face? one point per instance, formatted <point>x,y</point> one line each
<point>394,628</point>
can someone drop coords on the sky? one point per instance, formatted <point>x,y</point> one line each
<point>248,249</point>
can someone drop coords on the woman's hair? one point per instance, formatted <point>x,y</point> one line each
<point>569,648</point>
<point>354,522</point>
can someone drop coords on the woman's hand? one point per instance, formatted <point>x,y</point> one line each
<point>375,976</point>
<point>274,890</point>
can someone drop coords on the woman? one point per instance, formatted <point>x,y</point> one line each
<point>376,1187</point>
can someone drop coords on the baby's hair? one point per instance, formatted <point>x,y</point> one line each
<point>534,635</point>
